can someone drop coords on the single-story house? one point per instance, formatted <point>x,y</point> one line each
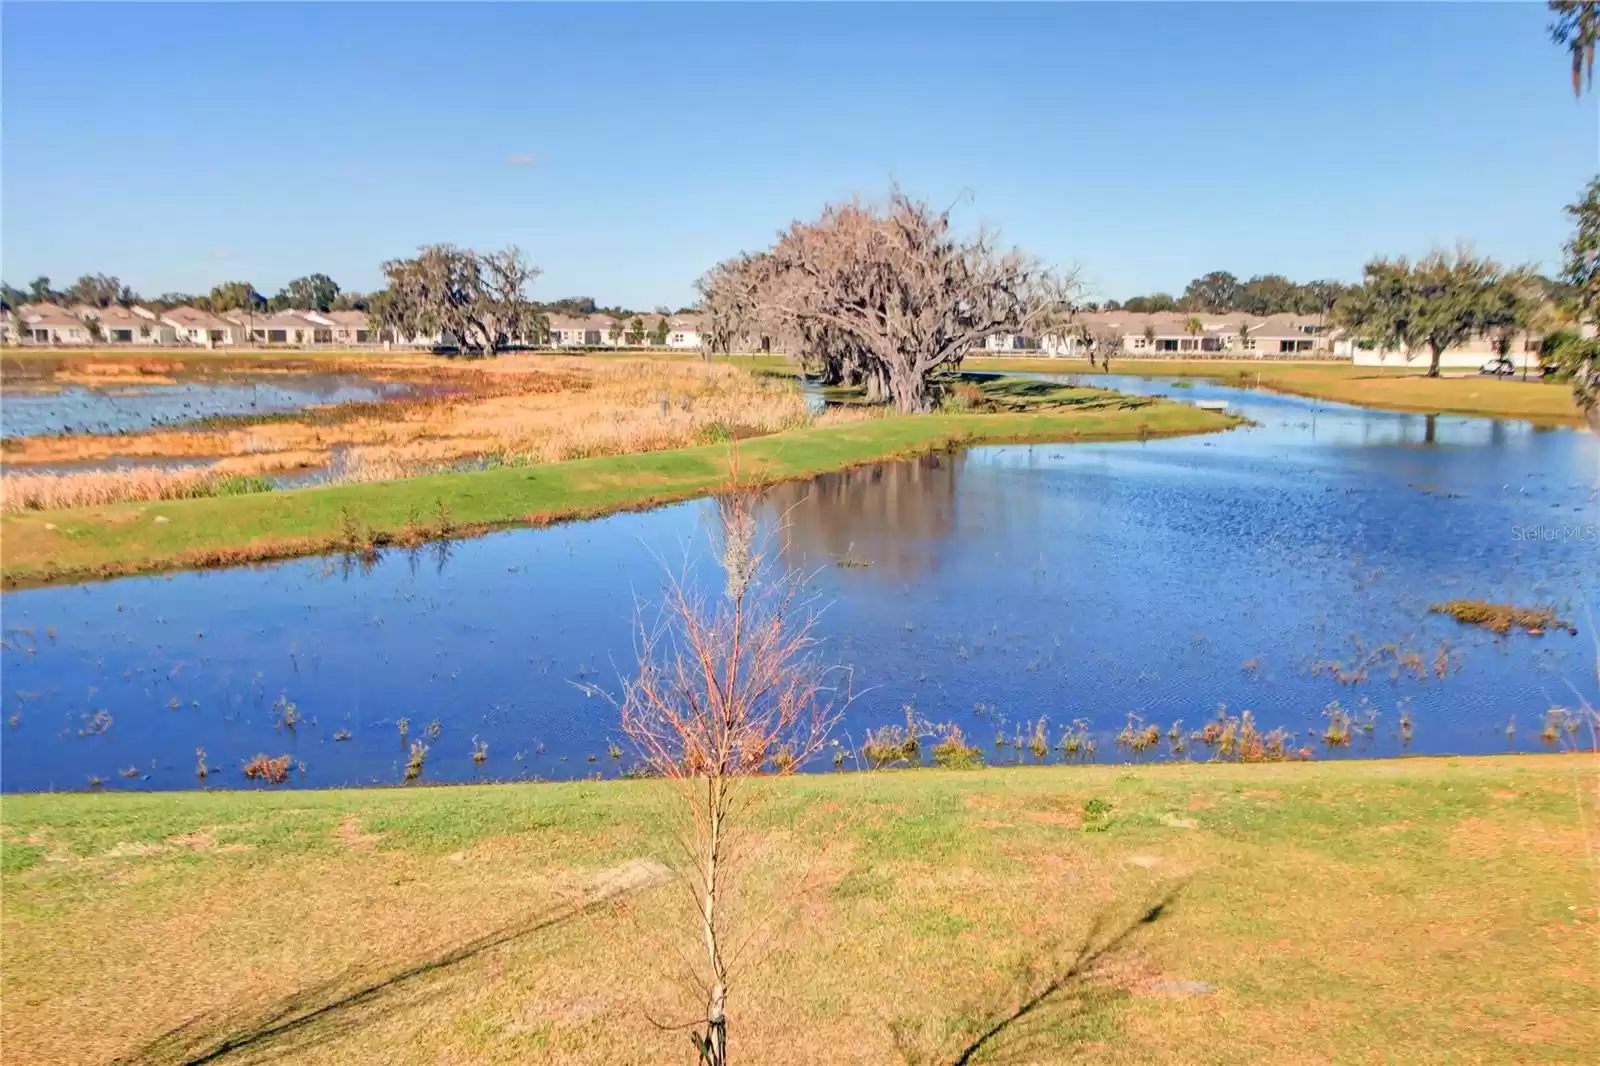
<point>350,327</point>
<point>284,327</point>
<point>130,325</point>
<point>1285,335</point>
<point>195,326</point>
<point>1525,351</point>
<point>49,324</point>
<point>567,331</point>
<point>683,331</point>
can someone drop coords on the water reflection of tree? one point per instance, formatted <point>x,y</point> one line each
<point>890,516</point>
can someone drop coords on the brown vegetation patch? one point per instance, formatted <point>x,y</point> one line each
<point>1501,617</point>
<point>534,408</point>
<point>350,835</point>
<point>1068,819</point>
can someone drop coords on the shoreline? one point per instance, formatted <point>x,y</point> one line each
<point>122,540</point>
<point>1543,403</point>
<point>983,772</point>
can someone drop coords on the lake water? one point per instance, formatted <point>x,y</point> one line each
<point>125,408</point>
<point>1003,584</point>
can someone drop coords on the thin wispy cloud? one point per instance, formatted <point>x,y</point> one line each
<point>522,159</point>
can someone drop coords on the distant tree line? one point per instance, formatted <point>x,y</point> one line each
<point>1264,294</point>
<point>314,292</point>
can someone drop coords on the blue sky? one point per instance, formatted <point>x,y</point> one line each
<point>627,148</point>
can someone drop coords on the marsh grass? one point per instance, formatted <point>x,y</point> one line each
<point>93,488</point>
<point>895,745</point>
<point>519,410</point>
<point>952,752</point>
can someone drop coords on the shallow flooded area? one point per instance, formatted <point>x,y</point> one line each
<point>122,408</point>
<point>1285,569</point>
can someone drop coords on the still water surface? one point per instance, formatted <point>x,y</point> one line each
<point>1089,581</point>
<point>125,408</point>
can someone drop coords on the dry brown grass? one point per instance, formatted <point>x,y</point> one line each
<point>516,409</point>
<point>92,488</point>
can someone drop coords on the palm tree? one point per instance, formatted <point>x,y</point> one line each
<point>618,330</point>
<point>1577,26</point>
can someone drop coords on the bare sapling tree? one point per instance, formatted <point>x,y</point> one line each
<point>729,689</point>
<point>478,300</point>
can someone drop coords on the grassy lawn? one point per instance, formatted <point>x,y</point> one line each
<point>128,538</point>
<point>1544,402</point>
<point>1411,911</point>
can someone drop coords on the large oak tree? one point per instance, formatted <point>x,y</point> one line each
<point>476,299</point>
<point>1433,304</point>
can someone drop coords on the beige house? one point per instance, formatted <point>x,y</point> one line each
<point>350,327</point>
<point>49,324</point>
<point>1184,334</point>
<point>683,331</point>
<point>130,325</point>
<point>296,328</point>
<point>194,326</point>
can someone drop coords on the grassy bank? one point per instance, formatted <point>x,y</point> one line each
<point>1415,911</point>
<point>132,538</point>
<point>1543,402</point>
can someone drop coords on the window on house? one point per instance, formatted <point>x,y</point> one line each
<point>677,338</point>
<point>40,335</point>
<point>277,336</point>
<point>322,336</point>
<point>361,336</point>
<point>216,336</point>
<point>591,337</point>
<point>122,336</point>
<point>1167,344</point>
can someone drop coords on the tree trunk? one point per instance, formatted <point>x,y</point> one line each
<point>1433,365</point>
<point>910,390</point>
<point>877,383</point>
<point>714,1045</point>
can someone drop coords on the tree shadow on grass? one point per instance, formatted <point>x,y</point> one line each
<point>341,1005</point>
<point>1053,1005</point>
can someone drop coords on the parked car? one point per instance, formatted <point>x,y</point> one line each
<point>1501,367</point>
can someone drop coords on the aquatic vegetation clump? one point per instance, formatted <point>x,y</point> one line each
<point>1502,617</point>
<point>1076,743</point>
<point>893,744</point>
<point>274,771</point>
<point>1138,737</point>
<point>419,755</point>
<point>952,752</point>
